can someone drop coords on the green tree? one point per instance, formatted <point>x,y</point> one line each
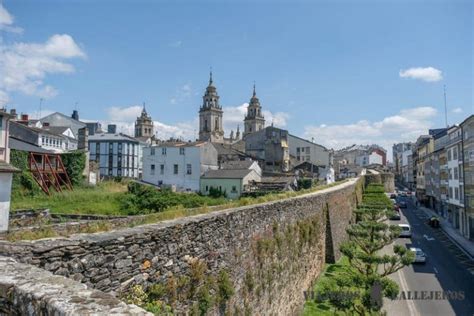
<point>362,285</point>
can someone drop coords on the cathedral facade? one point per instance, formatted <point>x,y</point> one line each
<point>211,117</point>
<point>144,126</point>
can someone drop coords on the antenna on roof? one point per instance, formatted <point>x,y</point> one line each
<point>445,107</point>
<point>40,107</point>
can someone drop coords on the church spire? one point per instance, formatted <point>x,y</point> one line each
<point>210,77</point>
<point>254,93</point>
<point>144,108</point>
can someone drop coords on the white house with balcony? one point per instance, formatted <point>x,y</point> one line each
<point>179,165</point>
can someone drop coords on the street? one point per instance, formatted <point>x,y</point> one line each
<point>447,269</point>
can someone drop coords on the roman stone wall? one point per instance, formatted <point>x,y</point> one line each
<point>28,290</point>
<point>270,253</point>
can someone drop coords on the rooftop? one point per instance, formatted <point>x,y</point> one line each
<point>227,174</point>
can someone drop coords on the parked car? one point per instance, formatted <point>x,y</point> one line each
<point>420,256</point>
<point>404,194</point>
<point>406,230</point>
<point>402,204</point>
<point>396,214</point>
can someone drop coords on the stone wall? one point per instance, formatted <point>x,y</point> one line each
<point>387,179</point>
<point>28,290</point>
<point>271,252</point>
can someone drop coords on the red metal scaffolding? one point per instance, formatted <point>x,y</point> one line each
<point>48,171</point>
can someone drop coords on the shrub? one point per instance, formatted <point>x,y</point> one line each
<point>75,162</point>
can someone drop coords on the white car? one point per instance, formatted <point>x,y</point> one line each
<point>419,255</point>
<point>406,230</point>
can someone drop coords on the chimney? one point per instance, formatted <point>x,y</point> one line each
<point>111,129</point>
<point>83,138</point>
<point>13,113</point>
<point>75,115</point>
<point>24,117</point>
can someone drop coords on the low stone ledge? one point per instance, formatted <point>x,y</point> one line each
<point>28,290</point>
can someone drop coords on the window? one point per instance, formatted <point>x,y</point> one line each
<point>207,188</point>
<point>456,193</point>
<point>152,151</point>
<point>217,124</point>
<point>152,171</point>
<point>189,169</point>
<point>175,169</point>
<point>449,154</point>
<point>297,149</point>
<point>1,121</point>
<point>456,174</point>
<point>205,125</point>
<point>461,193</point>
<point>307,150</point>
<point>181,151</point>
<point>450,192</point>
<point>163,151</point>
<point>234,189</point>
<point>455,153</point>
<point>162,169</point>
<point>450,174</point>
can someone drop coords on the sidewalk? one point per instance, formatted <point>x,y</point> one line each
<point>467,245</point>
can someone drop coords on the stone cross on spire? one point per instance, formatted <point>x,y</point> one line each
<point>210,77</point>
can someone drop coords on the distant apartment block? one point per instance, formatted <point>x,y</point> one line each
<point>117,155</point>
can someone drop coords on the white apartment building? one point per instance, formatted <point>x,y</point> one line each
<point>180,165</point>
<point>455,202</point>
<point>117,155</point>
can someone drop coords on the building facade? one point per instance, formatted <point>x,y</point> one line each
<point>270,146</point>
<point>232,182</point>
<point>468,169</point>
<point>210,116</point>
<point>254,120</point>
<point>455,202</point>
<point>178,164</point>
<point>53,138</point>
<point>116,155</point>
<point>6,171</point>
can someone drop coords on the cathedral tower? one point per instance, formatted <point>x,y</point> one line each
<point>144,125</point>
<point>210,116</point>
<point>254,120</point>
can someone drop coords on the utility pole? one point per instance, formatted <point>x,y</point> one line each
<point>445,107</point>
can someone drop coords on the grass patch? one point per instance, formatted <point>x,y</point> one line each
<point>104,199</point>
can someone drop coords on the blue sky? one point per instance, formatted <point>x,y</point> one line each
<point>340,71</point>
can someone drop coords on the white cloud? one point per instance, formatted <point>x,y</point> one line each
<point>407,125</point>
<point>457,110</point>
<point>428,74</point>
<point>25,66</point>
<point>124,114</point>
<point>6,21</point>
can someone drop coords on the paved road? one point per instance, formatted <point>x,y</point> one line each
<point>447,269</point>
